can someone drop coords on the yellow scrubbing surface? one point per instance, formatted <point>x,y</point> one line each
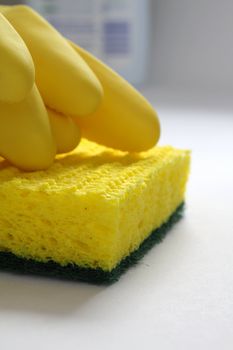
<point>92,207</point>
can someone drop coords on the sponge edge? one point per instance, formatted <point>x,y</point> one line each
<point>12,263</point>
<point>92,209</point>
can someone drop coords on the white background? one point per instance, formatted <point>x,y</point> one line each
<point>192,44</point>
<point>180,296</point>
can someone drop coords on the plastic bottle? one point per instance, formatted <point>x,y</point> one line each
<point>116,31</point>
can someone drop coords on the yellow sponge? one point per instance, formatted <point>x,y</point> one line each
<point>92,207</point>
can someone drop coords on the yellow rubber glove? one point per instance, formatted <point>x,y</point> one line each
<point>124,120</point>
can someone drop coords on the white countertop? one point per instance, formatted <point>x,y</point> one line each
<point>180,296</point>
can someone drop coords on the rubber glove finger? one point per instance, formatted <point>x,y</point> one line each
<point>65,81</point>
<point>65,131</point>
<point>125,119</point>
<point>17,74</point>
<point>26,139</point>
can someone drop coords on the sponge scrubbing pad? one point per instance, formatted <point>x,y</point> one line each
<point>92,213</point>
